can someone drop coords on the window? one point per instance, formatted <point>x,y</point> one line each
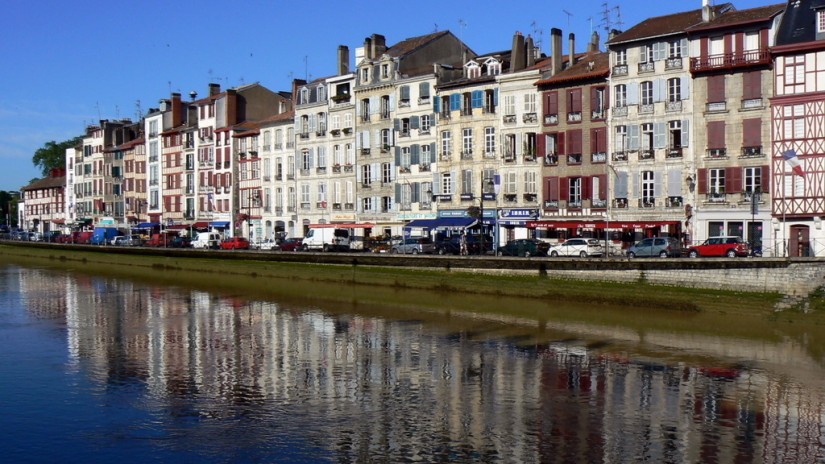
<point>530,103</point>
<point>386,173</point>
<point>574,193</point>
<point>426,123</point>
<point>621,139</point>
<point>446,183</point>
<point>467,141</point>
<point>406,158</point>
<point>793,124</point>
<point>366,204</point>
<point>366,175</point>
<point>646,88</point>
<point>509,105</point>
<point>647,136</point>
<point>467,181</point>
<point>716,181</point>
<point>674,89</point>
<point>473,70</point>
<point>820,21</point>
<point>322,192</point>
<point>445,143</point>
<point>753,179</point>
<point>648,187</point>
<point>675,49</point>
<point>385,71</point>
<point>306,196</point>
<point>647,54</point>
<point>621,95</point>
<point>322,157</point>
<point>674,134</point>
<point>490,141</point>
<point>530,182</point>
<point>385,106</point>
<point>597,102</point>
<point>621,57</point>
<point>385,138</point>
<point>306,160</point>
<point>365,75</point>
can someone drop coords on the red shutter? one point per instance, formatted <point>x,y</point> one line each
<point>752,85</point>
<point>564,188</point>
<point>587,188</point>
<point>752,132</point>
<point>766,178</point>
<point>703,181</point>
<point>703,48</point>
<point>575,101</point>
<point>574,142</point>
<point>733,180</point>
<point>716,89</point>
<point>551,188</point>
<point>728,44</point>
<point>598,140</point>
<point>560,148</point>
<point>739,42</point>
<point>541,145</point>
<point>602,186</point>
<point>716,134</point>
<point>551,103</point>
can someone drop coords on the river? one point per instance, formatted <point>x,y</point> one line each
<point>101,368</point>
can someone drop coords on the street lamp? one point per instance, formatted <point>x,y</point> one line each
<point>488,183</point>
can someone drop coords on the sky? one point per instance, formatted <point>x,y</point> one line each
<point>69,64</point>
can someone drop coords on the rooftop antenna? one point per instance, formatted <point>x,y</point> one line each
<point>138,110</point>
<point>537,35</point>
<point>306,67</point>
<point>569,14</point>
<point>97,105</point>
<point>436,27</point>
<point>619,22</point>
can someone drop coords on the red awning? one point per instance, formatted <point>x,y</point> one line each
<point>178,226</point>
<point>598,224</point>
<point>344,225</point>
<point>59,221</point>
<point>201,225</point>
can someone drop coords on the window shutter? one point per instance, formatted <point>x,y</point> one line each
<point>453,176</point>
<point>398,193</point>
<point>551,188</point>
<point>436,184</point>
<point>716,134</point>
<point>633,137</point>
<point>415,193</point>
<point>551,103</point>
<point>632,92</point>
<point>620,190</point>
<point>574,142</point>
<point>564,188</point>
<point>684,88</point>
<point>560,148</point>
<point>405,92</point>
<point>477,99</point>
<point>716,89</point>
<point>659,90</point>
<point>396,124</point>
<point>643,54</point>
<point>752,132</point>
<point>437,105</point>
<point>659,135</point>
<point>703,181</point>
<point>683,48</point>
<point>657,184</point>
<point>414,122</point>
<point>398,156</point>
<point>373,105</point>
<point>637,184</point>
<point>602,186</point>
<point>495,97</point>
<point>674,182</point>
<point>733,180</point>
<point>518,145</point>
<point>392,102</point>
<point>685,132</point>
<point>424,90</point>
<point>541,145</point>
<point>415,154</point>
<point>766,178</point>
<point>752,85</point>
<point>455,102</point>
<point>587,188</point>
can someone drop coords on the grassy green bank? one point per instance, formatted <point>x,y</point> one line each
<point>524,305</point>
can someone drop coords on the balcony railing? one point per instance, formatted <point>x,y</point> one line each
<point>619,156</point>
<point>424,167</point>
<point>620,111</point>
<point>646,108</point>
<point>752,103</point>
<point>675,152</point>
<point>529,118</point>
<point>620,70</point>
<point>598,157</point>
<point>597,203</point>
<point>551,204</point>
<point>752,152</point>
<point>647,202</point>
<point>445,156</point>
<point>716,107</point>
<point>574,116</point>
<point>620,203</point>
<point>673,106</point>
<point>467,154</point>
<point>575,158</point>
<point>551,160</point>
<point>716,197</point>
<point>674,202</point>
<point>730,60</point>
<point>645,155</point>
<point>717,153</point>
<point>646,67</point>
<point>673,63</point>
<point>551,118</point>
<point>509,119</point>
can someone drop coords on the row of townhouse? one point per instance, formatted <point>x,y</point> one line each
<point>678,129</point>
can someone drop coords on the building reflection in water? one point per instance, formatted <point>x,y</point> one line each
<point>357,387</point>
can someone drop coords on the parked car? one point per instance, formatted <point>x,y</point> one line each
<point>582,247</point>
<point>204,240</point>
<point>413,246</point>
<point>83,238</point>
<point>267,245</point>
<point>663,247</point>
<point>728,245</point>
<point>452,246</point>
<point>53,236</point>
<point>127,240</point>
<point>180,242</point>
<point>235,243</point>
<point>291,244</point>
<point>526,247</point>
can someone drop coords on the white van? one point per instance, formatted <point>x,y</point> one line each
<point>326,239</point>
<point>207,240</point>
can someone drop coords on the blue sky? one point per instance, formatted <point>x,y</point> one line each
<point>67,64</point>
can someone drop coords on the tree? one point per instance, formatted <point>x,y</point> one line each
<point>8,207</point>
<point>53,155</point>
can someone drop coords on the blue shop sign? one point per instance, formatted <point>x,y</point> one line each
<point>518,213</point>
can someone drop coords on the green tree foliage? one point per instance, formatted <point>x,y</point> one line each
<point>8,207</point>
<point>53,154</point>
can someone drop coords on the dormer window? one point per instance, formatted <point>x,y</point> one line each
<point>493,67</point>
<point>304,96</point>
<point>820,21</point>
<point>365,75</point>
<point>322,93</point>
<point>472,70</point>
<point>385,71</point>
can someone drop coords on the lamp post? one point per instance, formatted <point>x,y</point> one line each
<point>755,197</point>
<point>484,182</point>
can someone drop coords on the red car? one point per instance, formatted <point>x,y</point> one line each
<point>730,246</point>
<point>291,244</point>
<point>235,243</point>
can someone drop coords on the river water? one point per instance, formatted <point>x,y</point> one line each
<point>107,369</point>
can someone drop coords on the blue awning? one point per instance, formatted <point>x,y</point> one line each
<point>219,224</point>
<point>442,223</point>
<point>146,225</point>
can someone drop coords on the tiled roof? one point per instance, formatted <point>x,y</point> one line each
<point>582,69</point>
<point>665,25</point>
<point>408,46</point>
<point>46,183</point>
<point>762,13</point>
<point>799,23</point>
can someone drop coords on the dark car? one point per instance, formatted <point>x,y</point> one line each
<point>180,242</point>
<point>452,245</point>
<point>663,247</point>
<point>235,243</point>
<point>526,247</point>
<point>730,246</point>
<point>413,245</point>
<point>291,244</point>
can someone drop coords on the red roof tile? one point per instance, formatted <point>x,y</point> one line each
<point>751,15</point>
<point>665,25</point>
<point>594,65</point>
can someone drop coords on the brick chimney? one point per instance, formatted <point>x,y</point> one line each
<point>343,60</point>
<point>214,89</point>
<point>231,107</point>
<point>177,110</point>
<point>517,55</point>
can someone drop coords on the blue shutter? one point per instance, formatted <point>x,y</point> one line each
<point>415,156</point>
<point>424,90</point>
<point>621,185</point>
<point>685,88</point>
<point>478,99</point>
<point>398,156</point>
<point>414,122</point>
<point>437,105</point>
<point>455,102</point>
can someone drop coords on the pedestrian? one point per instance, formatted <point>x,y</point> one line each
<point>463,244</point>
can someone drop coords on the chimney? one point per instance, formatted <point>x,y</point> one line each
<point>231,107</point>
<point>594,42</point>
<point>214,89</point>
<point>368,48</point>
<point>177,110</point>
<point>707,11</point>
<point>531,51</point>
<point>163,104</point>
<point>379,45</point>
<point>343,60</point>
<point>555,43</point>
<point>572,51</point>
<point>517,57</point>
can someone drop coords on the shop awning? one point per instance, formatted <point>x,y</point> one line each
<point>59,221</point>
<point>219,224</point>
<point>146,225</point>
<point>598,224</point>
<point>442,223</point>
<point>200,225</point>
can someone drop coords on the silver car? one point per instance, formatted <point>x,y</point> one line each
<point>582,247</point>
<point>663,247</point>
<point>414,246</point>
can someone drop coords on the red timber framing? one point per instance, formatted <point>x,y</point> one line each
<point>798,123</point>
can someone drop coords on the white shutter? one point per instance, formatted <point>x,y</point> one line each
<point>659,139</point>
<point>674,182</point>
